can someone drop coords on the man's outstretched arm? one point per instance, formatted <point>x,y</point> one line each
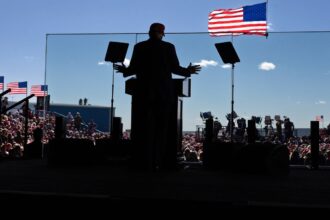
<point>177,69</point>
<point>193,69</point>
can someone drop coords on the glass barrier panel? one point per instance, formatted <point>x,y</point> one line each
<point>282,76</point>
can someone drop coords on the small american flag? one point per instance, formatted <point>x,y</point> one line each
<point>39,90</point>
<point>245,20</point>
<point>2,80</point>
<point>17,87</point>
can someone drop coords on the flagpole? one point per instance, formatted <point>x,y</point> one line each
<point>267,18</point>
<point>44,87</point>
<point>112,95</point>
<point>26,115</point>
<point>45,78</point>
<point>44,104</point>
<point>232,125</point>
<point>266,10</point>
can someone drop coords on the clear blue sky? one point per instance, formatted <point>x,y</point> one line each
<point>297,87</point>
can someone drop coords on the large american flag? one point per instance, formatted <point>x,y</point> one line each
<point>17,87</point>
<point>245,20</point>
<point>39,90</point>
<point>2,80</point>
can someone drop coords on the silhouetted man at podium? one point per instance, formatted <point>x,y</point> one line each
<point>153,62</point>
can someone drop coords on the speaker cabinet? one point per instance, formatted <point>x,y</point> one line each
<point>60,127</point>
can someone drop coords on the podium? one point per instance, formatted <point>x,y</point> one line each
<point>144,153</point>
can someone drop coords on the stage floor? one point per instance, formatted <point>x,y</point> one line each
<point>118,183</point>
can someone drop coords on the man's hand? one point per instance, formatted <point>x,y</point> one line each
<point>120,68</point>
<point>193,68</point>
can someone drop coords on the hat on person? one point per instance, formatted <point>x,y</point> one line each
<point>157,27</point>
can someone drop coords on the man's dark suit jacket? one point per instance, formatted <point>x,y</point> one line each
<point>153,106</point>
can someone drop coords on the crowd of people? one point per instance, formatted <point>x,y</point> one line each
<point>192,147</point>
<point>12,136</point>
<point>12,131</point>
<point>299,147</point>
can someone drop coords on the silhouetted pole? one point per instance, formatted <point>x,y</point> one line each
<point>228,55</point>
<point>112,94</point>
<point>315,144</point>
<point>232,103</point>
<point>16,104</point>
<point>116,53</point>
<point>26,115</point>
<point>5,92</point>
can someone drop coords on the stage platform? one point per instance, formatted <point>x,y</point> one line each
<point>191,186</point>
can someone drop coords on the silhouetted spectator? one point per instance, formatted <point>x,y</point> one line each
<point>328,129</point>
<point>69,117</point>
<point>91,126</point>
<point>4,103</point>
<point>80,101</point>
<point>228,126</point>
<point>25,109</point>
<point>34,149</point>
<point>217,126</point>
<point>241,126</point>
<point>77,121</point>
<point>15,152</point>
<point>279,129</point>
<point>85,101</point>
<point>288,128</point>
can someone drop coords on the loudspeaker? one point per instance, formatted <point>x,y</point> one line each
<point>70,152</point>
<point>41,101</point>
<point>60,127</point>
<point>117,131</point>
<point>315,144</point>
